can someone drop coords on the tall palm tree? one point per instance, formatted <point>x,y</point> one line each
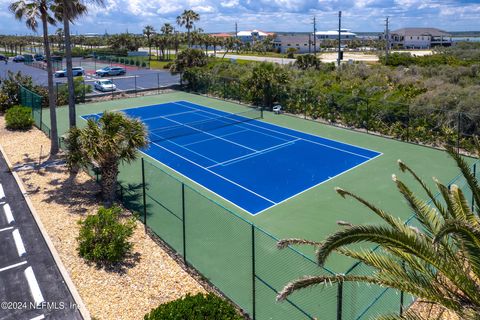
<point>31,10</point>
<point>112,140</point>
<point>67,11</point>
<point>439,263</point>
<point>188,19</point>
<point>148,32</point>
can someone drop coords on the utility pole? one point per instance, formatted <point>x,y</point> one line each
<point>387,40</point>
<point>315,36</point>
<point>236,37</point>
<point>339,58</point>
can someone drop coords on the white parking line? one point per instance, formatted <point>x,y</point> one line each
<point>6,229</point>
<point>40,317</point>
<point>13,266</point>
<point>2,194</point>
<point>8,213</point>
<point>19,243</point>
<point>34,288</point>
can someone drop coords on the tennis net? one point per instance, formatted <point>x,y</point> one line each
<point>199,126</point>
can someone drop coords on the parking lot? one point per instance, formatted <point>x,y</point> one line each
<point>31,285</point>
<point>135,79</point>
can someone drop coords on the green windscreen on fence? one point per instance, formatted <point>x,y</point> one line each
<point>32,100</point>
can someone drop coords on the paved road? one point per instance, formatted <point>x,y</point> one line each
<point>257,58</point>
<point>31,286</point>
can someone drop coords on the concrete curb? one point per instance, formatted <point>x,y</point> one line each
<point>66,277</point>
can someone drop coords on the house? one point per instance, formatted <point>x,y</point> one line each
<point>345,34</point>
<point>419,38</point>
<point>253,35</point>
<point>303,43</point>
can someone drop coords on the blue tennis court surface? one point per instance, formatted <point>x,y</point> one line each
<point>250,163</point>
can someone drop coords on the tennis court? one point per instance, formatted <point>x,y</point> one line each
<point>250,163</point>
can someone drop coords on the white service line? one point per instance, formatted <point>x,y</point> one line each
<point>8,213</point>
<point>13,266</point>
<point>2,194</point>
<point>18,243</point>
<point>34,288</point>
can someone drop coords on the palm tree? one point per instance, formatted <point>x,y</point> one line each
<point>167,28</point>
<point>68,11</point>
<point>187,19</point>
<point>112,140</point>
<point>439,263</point>
<point>148,32</point>
<point>31,10</point>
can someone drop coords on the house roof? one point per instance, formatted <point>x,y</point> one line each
<point>221,35</point>
<point>335,32</point>
<point>421,32</point>
<point>248,33</point>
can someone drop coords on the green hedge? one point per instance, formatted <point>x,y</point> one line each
<point>19,118</point>
<point>197,307</point>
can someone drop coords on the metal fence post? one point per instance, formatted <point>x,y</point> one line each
<point>183,225</point>
<point>144,195</point>
<point>253,274</point>
<point>340,300</point>
<point>458,131</point>
<point>474,175</point>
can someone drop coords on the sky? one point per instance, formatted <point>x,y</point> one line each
<point>269,15</point>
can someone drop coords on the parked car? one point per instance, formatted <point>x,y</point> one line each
<point>19,58</point>
<point>104,85</point>
<point>39,57</point>
<point>77,71</point>
<point>110,71</point>
<point>3,58</point>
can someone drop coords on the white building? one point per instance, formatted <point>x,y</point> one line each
<point>345,34</point>
<point>419,38</point>
<point>302,43</point>
<point>252,35</point>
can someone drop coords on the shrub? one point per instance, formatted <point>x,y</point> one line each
<point>19,118</point>
<point>197,307</point>
<point>144,64</point>
<point>104,238</point>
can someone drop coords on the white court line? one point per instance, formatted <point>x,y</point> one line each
<point>214,173</point>
<point>13,266</point>
<point>18,243</point>
<point>322,182</point>
<point>8,213</point>
<point>179,145</point>
<point>168,115</point>
<point>209,139</point>
<point>234,160</point>
<point>292,136</point>
<point>6,229</point>
<point>40,317</point>
<point>34,288</point>
<point>210,134</point>
<point>2,193</point>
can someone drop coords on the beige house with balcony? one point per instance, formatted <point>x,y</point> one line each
<point>419,38</point>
